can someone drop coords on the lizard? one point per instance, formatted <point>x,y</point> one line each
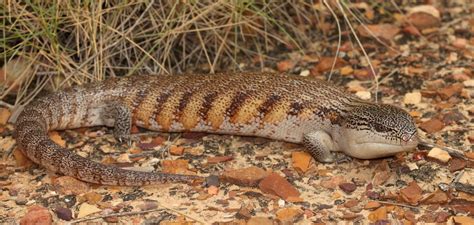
<point>321,116</point>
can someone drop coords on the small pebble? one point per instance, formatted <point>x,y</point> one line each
<point>63,213</point>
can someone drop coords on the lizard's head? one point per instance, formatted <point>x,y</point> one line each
<point>379,130</point>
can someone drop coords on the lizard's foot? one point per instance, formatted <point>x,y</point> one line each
<point>129,139</point>
<point>123,123</point>
<point>342,158</point>
<point>320,145</point>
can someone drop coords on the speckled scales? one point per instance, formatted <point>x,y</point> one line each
<point>265,105</point>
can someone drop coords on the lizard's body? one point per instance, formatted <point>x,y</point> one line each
<point>287,108</point>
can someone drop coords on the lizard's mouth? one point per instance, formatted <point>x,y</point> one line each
<point>410,142</point>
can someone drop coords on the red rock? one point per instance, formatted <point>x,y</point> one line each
<point>378,214</point>
<point>469,155</point>
<point>289,215</point>
<point>301,161</point>
<point>411,30</point>
<point>219,159</point>
<point>449,91</point>
<point>463,220</point>
<point>213,190</point>
<point>63,213</point>
<point>412,193</point>
<point>437,197</point>
<point>69,185</point>
<point>372,205</point>
<point>179,166</point>
<point>148,205</point>
<point>158,140</point>
<point>457,164</point>
<point>285,65</point>
<point>381,177</point>
<point>333,182</point>
<point>442,217</point>
<point>362,74</point>
<point>348,187</point>
<point>351,203</point>
<point>432,126</point>
<point>257,220</point>
<point>350,216</point>
<point>176,150</point>
<point>410,216</point>
<point>36,215</point>
<point>244,213</point>
<point>276,185</point>
<point>250,176</point>
<point>92,197</point>
<point>460,43</point>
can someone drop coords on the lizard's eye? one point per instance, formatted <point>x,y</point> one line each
<point>381,128</point>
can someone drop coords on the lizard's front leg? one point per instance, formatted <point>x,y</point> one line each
<point>320,145</point>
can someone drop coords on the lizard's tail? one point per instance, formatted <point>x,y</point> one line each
<point>31,134</point>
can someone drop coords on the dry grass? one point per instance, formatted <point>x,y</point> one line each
<point>79,42</point>
<point>73,42</point>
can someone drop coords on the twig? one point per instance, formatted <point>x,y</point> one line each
<point>403,205</point>
<point>348,22</point>
<point>135,213</point>
<point>339,38</point>
<point>452,152</point>
<point>115,214</point>
<point>4,104</point>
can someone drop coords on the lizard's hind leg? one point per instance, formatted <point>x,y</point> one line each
<point>122,117</point>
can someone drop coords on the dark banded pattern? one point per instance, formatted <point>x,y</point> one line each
<point>259,104</point>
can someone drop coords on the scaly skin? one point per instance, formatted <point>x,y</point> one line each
<point>321,116</point>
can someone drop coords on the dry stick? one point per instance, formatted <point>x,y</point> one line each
<point>4,104</point>
<point>136,213</point>
<point>403,205</point>
<point>361,47</point>
<point>338,41</point>
<point>453,152</point>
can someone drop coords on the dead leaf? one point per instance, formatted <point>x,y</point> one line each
<point>325,64</point>
<point>385,32</point>
<point>424,16</point>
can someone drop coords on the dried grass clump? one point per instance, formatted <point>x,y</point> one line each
<point>73,42</point>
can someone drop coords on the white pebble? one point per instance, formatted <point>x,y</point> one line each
<point>364,95</point>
